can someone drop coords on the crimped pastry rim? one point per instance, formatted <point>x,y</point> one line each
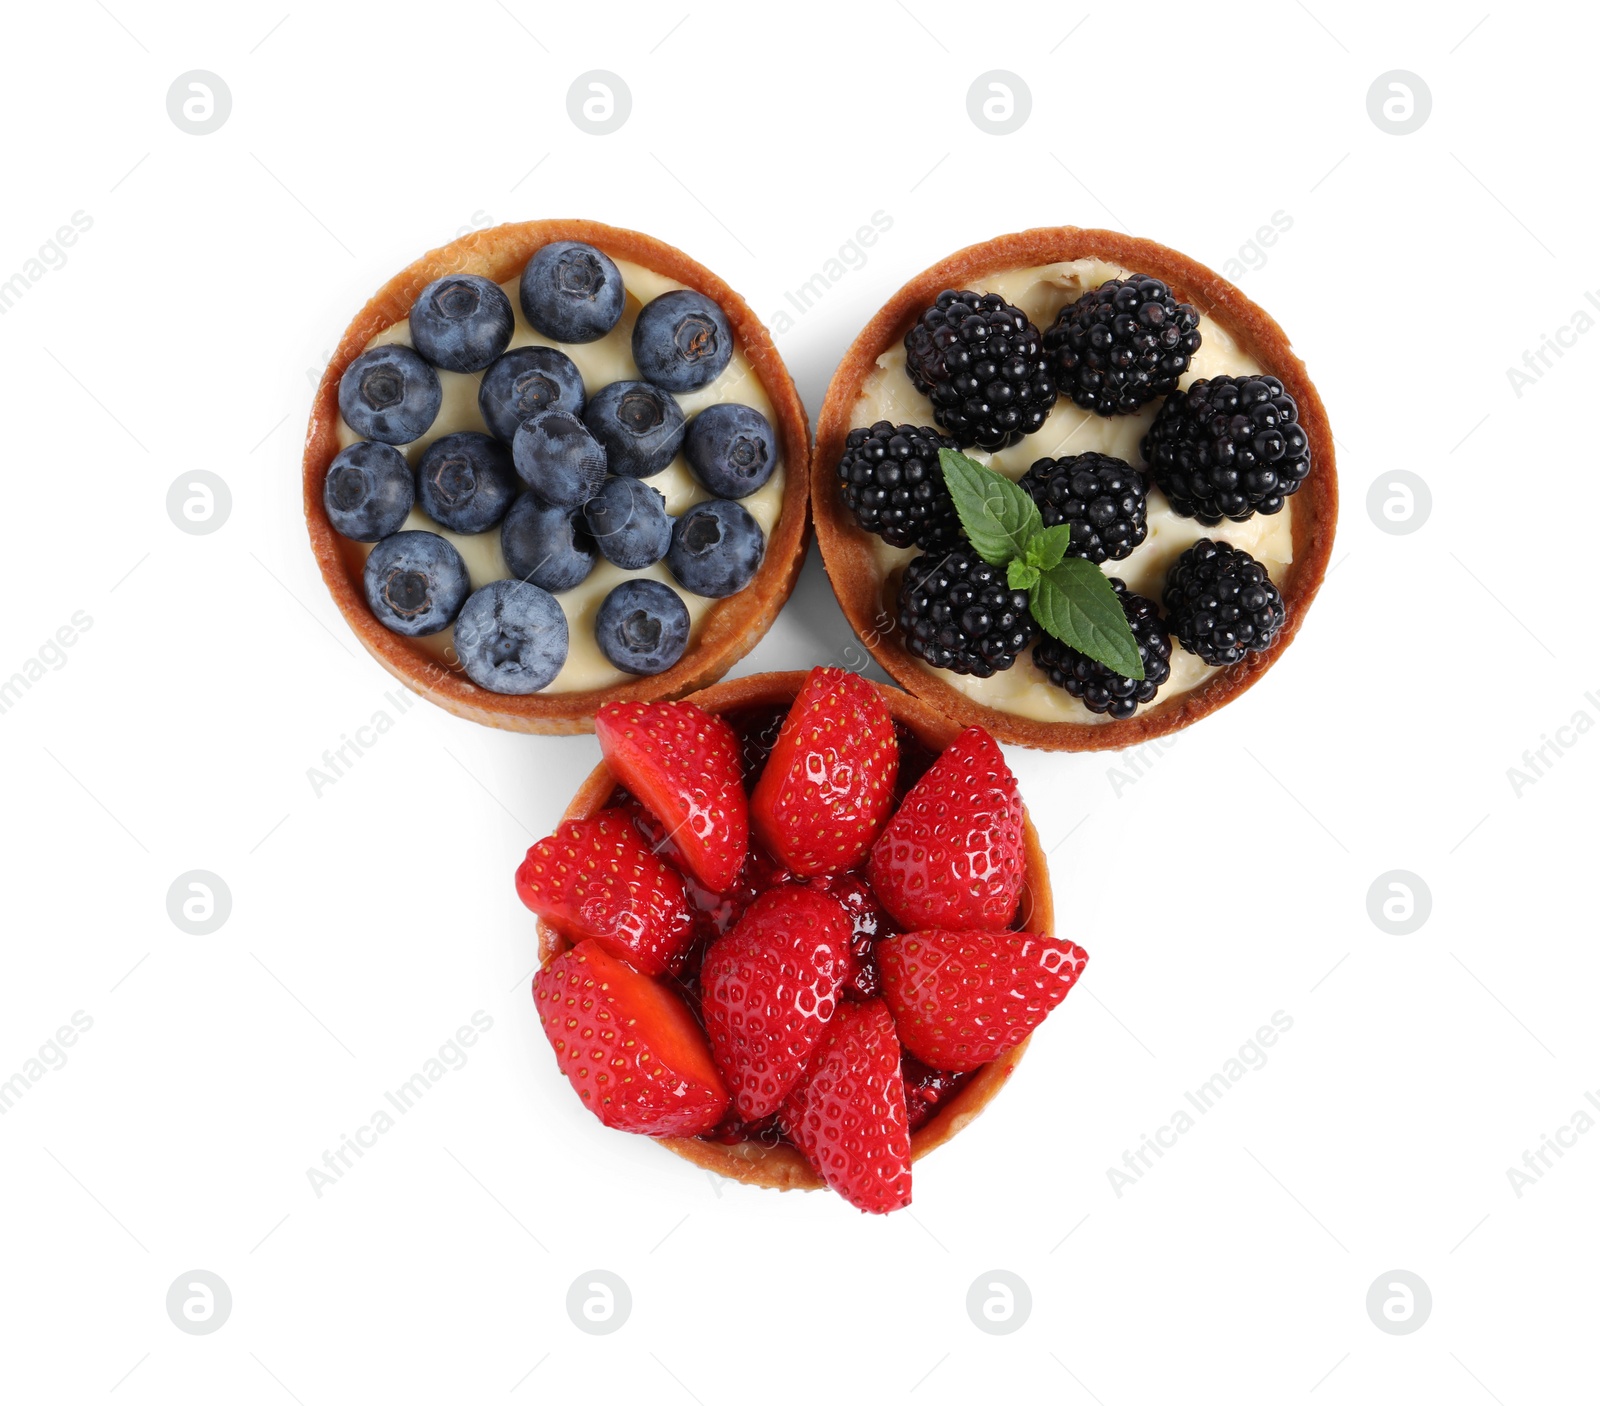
<point>846,548</point>
<point>782,1167</point>
<point>730,627</point>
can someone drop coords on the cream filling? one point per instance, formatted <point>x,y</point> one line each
<point>599,363</point>
<point>887,394</point>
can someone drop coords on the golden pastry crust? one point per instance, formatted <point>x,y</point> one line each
<point>782,1167</point>
<point>847,550</point>
<point>730,628</point>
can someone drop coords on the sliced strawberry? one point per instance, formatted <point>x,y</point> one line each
<point>849,1117</point>
<point>768,990</point>
<point>597,878</point>
<point>683,766</point>
<point>829,783</point>
<point>629,1046</point>
<point>952,857</point>
<point>961,999</point>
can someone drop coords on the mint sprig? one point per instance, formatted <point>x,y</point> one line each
<point>1071,598</point>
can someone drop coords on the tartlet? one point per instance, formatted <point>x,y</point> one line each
<point>781,1166</point>
<point>727,629</point>
<point>853,557</point>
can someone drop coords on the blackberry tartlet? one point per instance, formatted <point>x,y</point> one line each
<point>528,400</point>
<point>1175,413</point>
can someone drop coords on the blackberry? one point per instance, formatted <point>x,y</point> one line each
<point>892,483</point>
<point>1228,447</point>
<point>983,365</point>
<point>1122,344</point>
<point>1101,690</point>
<point>1221,604</point>
<point>958,613</point>
<point>1100,497</point>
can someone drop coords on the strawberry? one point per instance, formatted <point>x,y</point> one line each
<point>597,878</point>
<point>683,765</point>
<point>829,783</point>
<point>952,857</point>
<point>961,999</point>
<point>768,990</point>
<point>628,1045</point>
<point>849,1117</point>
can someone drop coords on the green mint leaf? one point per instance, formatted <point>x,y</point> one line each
<point>1074,602</point>
<point>1046,550</point>
<point>1021,575</point>
<point>999,518</point>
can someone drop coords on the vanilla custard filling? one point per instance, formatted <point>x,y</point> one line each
<point>888,394</point>
<point>600,362</point>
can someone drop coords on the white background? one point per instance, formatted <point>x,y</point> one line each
<point>1228,881</point>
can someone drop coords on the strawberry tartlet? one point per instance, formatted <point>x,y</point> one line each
<point>797,929</point>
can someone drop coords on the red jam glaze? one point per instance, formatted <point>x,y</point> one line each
<point>926,1089</point>
<point>716,913</point>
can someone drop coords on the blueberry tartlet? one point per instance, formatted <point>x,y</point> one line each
<point>554,465</point>
<point>1075,488</point>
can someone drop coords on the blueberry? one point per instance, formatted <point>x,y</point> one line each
<point>415,582</point>
<point>461,322</point>
<point>465,481</point>
<point>682,341</point>
<point>571,292</point>
<point>369,491</point>
<point>559,459</point>
<point>389,394</point>
<point>628,520</point>
<point>642,627</point>
<point>511,637</point>
<point>716,548</point>
<point>640,426</point>
<point>527,382</point>
<point>545,545</point>
<point>731,449</point>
